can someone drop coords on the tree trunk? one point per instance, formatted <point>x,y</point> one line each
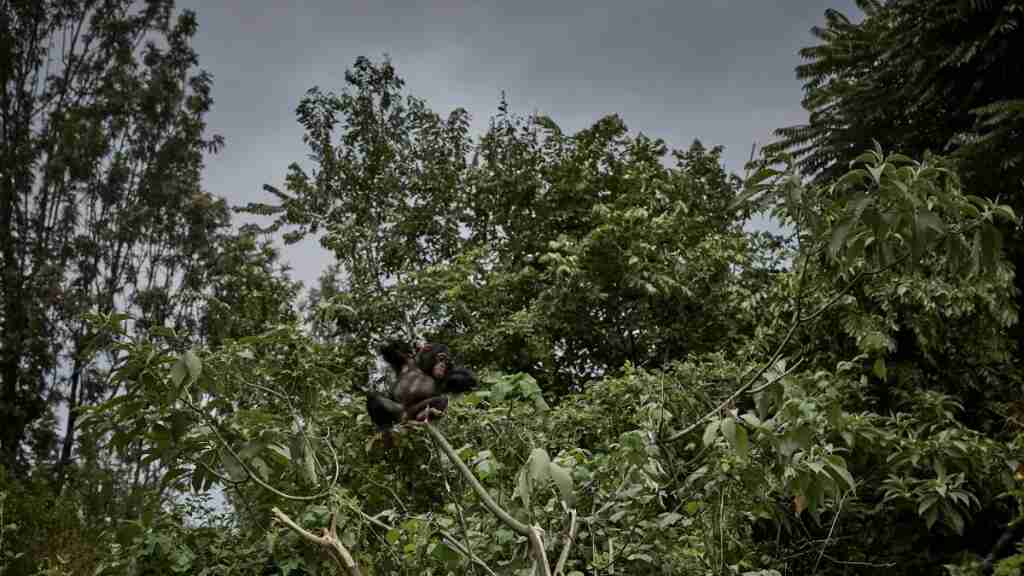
<point>69,428</point>
<point>15,411</point>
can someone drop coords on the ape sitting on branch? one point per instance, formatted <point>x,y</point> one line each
<point>423,380</point>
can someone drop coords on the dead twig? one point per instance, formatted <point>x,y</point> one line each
<point>329,540</point>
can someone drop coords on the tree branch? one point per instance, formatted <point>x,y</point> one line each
<point>532,533</point>
<point>570,537</point>
<point>214,426</point>
<point>796,322</point>
<point>329,540</point>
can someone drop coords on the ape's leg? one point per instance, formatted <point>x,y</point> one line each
<point>385,413</point>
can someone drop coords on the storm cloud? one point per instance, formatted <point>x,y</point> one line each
<point>717,70</point>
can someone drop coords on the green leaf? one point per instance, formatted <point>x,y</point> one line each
<point>445,554</point>
<point>667,519</point>
<point>879,368</point>
<point>297,446</point>
<point>876,172</point>
<point>233,467</point>
<point>178,372</point>
<point>751,419</point>
<point>838,467</point>
<point>749,192</point>
<point>976,251</point>
<point>742,445</point>
<point>926,504</point>
<point>198,476</point>
<point>930,220</point>
<point>271,542</point>
<point>857,206</point>
<point>524,488</point>
<point>194,365</point>
<point>991,246</point>
<point>815,494</point>
<point>1006,212</point>
<point>309,465</point>
<point>729,430</point>
<point>181,559</point>
<point>839,235</point>
<point>793,440</point>
<point>260,468</point>
<point>563,480</point>
<point>711,431</point>
<point>864,158</point>
<point>539,403</point>
<point>280,450</point>
<point>954,520</point>
<point>852,178</point>
<point>540,464</point>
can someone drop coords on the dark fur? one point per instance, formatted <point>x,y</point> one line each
<point>423,379</point>
<point>1009,536</point>
<point>435,359</point>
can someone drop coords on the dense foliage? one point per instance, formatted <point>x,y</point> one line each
<point>663,391</point>
<point>918,76</point>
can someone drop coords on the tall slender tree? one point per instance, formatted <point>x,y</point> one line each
<point>101,146</point>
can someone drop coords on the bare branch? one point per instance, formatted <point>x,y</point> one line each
<point>464,550</point>
<point>570,537</point>
<point>329,541</point>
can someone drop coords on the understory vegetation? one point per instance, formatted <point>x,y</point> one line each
<point>664,388</point>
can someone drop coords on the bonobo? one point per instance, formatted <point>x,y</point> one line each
<point>423,379</point>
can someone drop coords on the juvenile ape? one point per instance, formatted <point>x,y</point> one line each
<point>423,379</point>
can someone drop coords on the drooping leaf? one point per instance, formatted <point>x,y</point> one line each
<point>194,365</point>
<point>728,427</point>
<point>563,480</point>
<point>178,372</point>
<point>233,467</point>
<point>523,487</point>
<point>540,464</point>
<point>839,235</point>
<point>741,444</point>
<point>711,431</point>
<point>879,368</point>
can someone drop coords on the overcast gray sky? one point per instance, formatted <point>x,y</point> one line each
<point>717,70</point>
